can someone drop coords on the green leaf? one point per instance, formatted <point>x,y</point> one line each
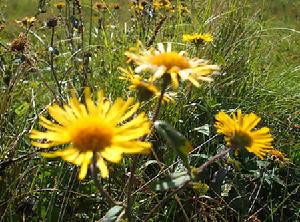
<point>175,140</point>
<point>175,180</point>
<point>112,214</point>
<point>22,109</point>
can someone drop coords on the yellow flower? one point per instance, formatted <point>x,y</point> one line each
<point>100,6</point>
<point>198,38</point>
<point>278,155</point>
<point>137,7</point>
<point>59,5</point>
<point>239,133</point>
<point>157,4</point>
<point>183,9</point>
<point>171,65</point>
<point>100,129</point>
<point>162,5</point>
<point>145,89</point>
<point>106,6</point>
<point>26,21</point>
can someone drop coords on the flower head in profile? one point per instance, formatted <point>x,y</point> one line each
<point>60,5</point>
<point>106,6</point>
<point>145,89</point>
<point>198,38</point>
<point>100,6</point>
<point>101,131</point>
<point>239,132</point>
<point>171,65</point>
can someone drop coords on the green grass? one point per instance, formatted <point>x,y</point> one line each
<point>256,45</point>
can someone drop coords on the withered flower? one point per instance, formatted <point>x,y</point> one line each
<point>51,22</point>
<point>19,44</point>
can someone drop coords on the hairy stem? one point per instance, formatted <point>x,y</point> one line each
<point>103,192</point>
<point>135,158</point>
<point>52,62</point>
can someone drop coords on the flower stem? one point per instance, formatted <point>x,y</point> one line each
<point>135,158</point>
<point>174,192</point>
<point>158,107</point>
<point>211,160</point>
<point>98,185</point>
<point>52,63</point>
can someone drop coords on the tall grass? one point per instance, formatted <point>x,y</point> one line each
<point>257,53</point>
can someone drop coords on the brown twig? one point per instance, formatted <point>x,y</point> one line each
<point>156,30</point>
<point>211,160</point>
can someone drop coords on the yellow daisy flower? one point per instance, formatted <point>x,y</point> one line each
<point>100,129</point>
<point>198,38</point>
<point>145,90</point>
<point>239,133</point>
<point>171,65</point>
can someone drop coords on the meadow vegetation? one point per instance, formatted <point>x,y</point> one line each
<point>71,52</point>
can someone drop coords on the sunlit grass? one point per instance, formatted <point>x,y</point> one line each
<point>256,45</point>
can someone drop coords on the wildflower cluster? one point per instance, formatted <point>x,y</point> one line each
<point>95,131</point>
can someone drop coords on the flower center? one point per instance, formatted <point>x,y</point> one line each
<point>240,140</point>
<point>91,135</point>
<point>171,60</point>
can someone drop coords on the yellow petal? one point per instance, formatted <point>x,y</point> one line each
<point>112,155</point>
<point>89,102</point>
<point>84,165</point>
<point>103,167</point>
<point>57,113</point>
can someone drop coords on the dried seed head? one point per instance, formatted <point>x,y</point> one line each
<point>19,44</point>
<point>52,22</point>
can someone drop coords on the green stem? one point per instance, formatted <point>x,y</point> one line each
<point>197,171</point>
<point>52,63</point>
<point>135,158</point>
<point>98,185</point>
<point>91,22</point>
